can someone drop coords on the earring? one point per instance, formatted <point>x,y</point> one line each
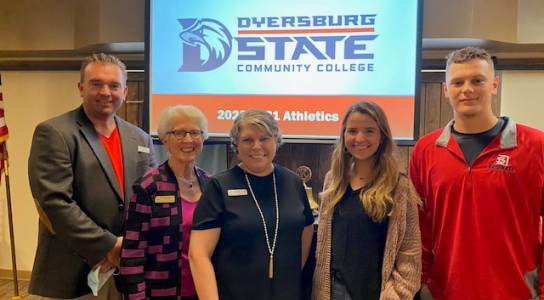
<point>346,149</point>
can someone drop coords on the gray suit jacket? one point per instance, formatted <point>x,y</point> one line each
<point>79,199</point>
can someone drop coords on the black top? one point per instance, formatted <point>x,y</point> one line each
<point>358,245</point>
<point>472,144</point>
<point>241,257</point>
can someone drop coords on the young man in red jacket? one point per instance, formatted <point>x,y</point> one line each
<point>481,179</point>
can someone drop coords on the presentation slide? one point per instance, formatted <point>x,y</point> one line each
<point>304,62</point>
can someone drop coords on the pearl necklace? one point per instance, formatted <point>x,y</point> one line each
<point>270,249</point>
<point>189,182</point>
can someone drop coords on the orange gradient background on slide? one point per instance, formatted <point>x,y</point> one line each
<point>399,110</point>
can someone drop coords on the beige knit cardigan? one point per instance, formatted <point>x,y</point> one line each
<point>401,268</point>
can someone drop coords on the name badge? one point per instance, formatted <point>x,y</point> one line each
<point>238,192</point>
<point>165,199</point>
<point>143,149</point>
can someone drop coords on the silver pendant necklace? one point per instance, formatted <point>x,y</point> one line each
<point>270,249</point>
<point>189,182</point>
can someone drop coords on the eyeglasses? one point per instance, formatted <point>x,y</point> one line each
<point>180,134</point>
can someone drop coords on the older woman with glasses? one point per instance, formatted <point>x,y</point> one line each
<point>154,260</point>
<point>253,225</point>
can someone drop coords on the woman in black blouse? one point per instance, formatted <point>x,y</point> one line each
<point>252,228</point>
<point>368,241</point>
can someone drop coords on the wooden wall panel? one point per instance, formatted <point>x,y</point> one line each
<point>422,105</point>
<point>325,160</point>
<point>232,158</point>
<point>402,159</point>
<point>131,110</point>
<point>141,97</point>
<point>298,156</point>
<point>131,104</point>
<point>446,111</point>
<point>431,111</point>
<point>312,160</point>
<point>283,155</point>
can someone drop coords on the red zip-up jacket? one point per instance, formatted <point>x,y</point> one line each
<point>480,224</point>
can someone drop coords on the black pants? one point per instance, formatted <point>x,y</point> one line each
<point>338,288</point>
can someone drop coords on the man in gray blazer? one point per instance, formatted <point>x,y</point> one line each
<point>81,168</point>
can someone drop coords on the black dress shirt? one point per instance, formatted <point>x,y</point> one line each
<point>358,245</point>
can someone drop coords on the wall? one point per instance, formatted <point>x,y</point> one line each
<point>66,25</point>
<point>29,98</point>
<point>37,24</point>
<point>530,21</point>
<point>522,97</point>
<point>471,19</point>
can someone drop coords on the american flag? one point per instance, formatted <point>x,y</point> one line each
<point>4,134</point>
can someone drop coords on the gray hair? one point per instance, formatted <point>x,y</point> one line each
<point>169,113</point>
<point>261,118</point>
<point>468,53</point>
<point>105,59</point>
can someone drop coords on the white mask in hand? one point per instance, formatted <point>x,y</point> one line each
<point>96,280</point>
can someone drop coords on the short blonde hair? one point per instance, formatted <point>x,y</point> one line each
<point>258,117</point>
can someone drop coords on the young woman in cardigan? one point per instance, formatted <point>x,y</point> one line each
<point>368,242</point>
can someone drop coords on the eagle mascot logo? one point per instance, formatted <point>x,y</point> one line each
<point>206,44</point>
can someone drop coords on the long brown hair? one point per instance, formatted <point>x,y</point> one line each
<point>378,198</point>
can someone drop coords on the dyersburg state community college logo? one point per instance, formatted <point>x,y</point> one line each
<point>206,44</point>
<point>301,44</point>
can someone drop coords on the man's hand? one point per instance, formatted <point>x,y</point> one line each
<point>111,261</point>
<point>115,252</point>
<point>100,264</point>
<point>105,265</point>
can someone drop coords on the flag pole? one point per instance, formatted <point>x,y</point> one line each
<point>11,232</point>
